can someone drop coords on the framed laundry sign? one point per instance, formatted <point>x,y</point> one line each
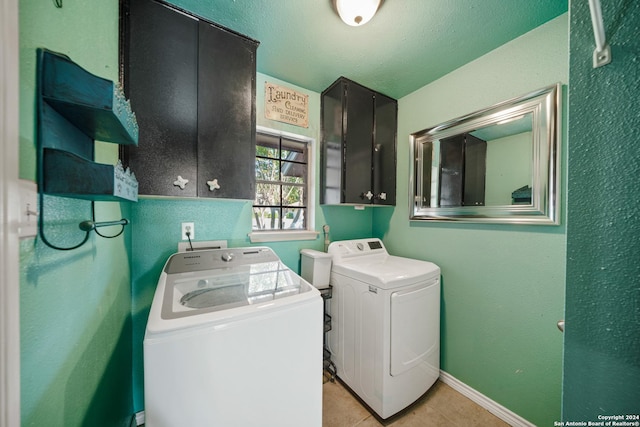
<point>286,105</point>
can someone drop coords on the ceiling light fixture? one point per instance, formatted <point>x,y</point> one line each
<point>356,12</point>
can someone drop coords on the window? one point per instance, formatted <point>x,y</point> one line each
<point>283,201</point>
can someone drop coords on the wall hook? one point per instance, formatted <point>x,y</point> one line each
<point>602,53</point>
<point>58,3</point>
<point>86,226</point>
<point>91,225</point>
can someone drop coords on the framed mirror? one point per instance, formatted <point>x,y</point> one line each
<point>497,165</point>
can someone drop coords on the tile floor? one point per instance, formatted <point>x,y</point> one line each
<point>440,406</point>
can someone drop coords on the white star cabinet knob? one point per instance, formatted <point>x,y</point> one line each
<point>213,185</point>
<point>180,182</point>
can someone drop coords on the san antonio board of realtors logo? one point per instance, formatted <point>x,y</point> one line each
<point>286,105</point>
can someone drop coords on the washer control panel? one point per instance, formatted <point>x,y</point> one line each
<point>210,259</point>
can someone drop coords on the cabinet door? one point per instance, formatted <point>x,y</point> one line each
<point>451,170</point>
<point>331,155</point>
<point>384,150</point>
<point>358,144</point>
<point>475,167</point>
<point>161,71</point>
<point>462,170</point>
<point>226,113</point>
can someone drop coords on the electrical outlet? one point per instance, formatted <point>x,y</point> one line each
<point>190,228</point>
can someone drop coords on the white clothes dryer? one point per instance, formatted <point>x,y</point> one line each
<point>385,337</point>
<point>234,338</point>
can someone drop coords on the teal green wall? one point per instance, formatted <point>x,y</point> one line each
<point>602,338</point>
<point>503,285</point>
<point>75,307</point>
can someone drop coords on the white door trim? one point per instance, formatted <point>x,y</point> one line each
<point>9,216</point>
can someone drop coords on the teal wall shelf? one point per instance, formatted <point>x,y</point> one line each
<point>75,108</point>
<point>94,105</point>
<point>105,183</point>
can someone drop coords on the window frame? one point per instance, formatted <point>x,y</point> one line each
<point>309,233</point>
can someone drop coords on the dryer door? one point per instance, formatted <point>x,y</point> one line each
<point>415,325</point>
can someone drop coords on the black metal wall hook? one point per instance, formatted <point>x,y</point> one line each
<point>58,3</point>
<point>91,225</point>
<point>86,226</point>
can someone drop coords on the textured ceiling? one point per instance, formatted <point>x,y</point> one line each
<point>407,44</point>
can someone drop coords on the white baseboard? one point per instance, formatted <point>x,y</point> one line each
<point>140,418</point>
<point>495,408</point>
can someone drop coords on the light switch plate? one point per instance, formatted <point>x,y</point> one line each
<point>29,212</point>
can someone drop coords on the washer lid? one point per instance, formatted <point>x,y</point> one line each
<point>189,294</point>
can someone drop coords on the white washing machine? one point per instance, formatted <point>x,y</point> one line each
<point>385,337</point>
<point>234,338</point>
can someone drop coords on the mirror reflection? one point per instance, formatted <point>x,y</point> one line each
<point>495,165</point>
<point>490,166</point>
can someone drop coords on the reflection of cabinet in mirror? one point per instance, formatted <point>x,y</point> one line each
<point>358,145</point>
<point>462,170</point>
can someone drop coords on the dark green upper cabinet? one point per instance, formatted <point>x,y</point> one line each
<point>226,113</point>
<point>359,129</point>
<point>193,84</point>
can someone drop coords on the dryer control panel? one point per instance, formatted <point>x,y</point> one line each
<point>359,247</point>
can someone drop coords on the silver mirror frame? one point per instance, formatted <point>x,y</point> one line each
<point>545,106</point>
